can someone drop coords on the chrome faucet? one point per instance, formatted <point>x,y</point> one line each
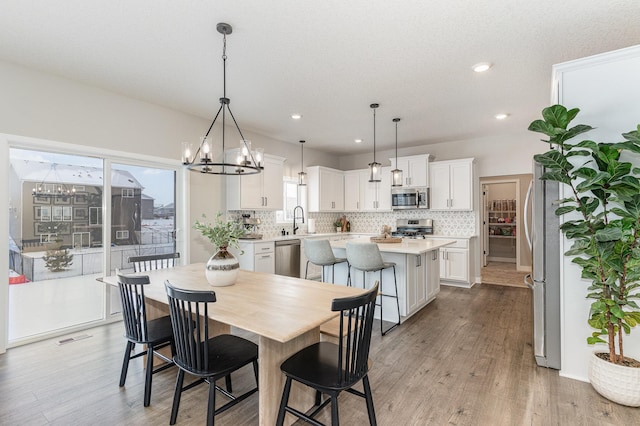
<point>295,228</point>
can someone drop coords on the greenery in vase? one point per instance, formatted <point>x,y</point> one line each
<point>603,220</point>
<point>221,233</point>
<point>338,223</point>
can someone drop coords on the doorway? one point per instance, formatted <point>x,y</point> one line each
<point>506,257</point>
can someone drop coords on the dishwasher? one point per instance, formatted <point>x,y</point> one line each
<point>288,258</point>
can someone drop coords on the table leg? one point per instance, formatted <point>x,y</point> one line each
<point>271,354</point>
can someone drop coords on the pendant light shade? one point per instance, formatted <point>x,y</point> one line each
<point>396,174</point>
<point>248,161</point>
<point>302,176</point>
<point>375,168</point>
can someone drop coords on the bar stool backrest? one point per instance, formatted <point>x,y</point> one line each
<point>364,256</point>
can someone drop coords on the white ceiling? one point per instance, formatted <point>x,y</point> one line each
<point>327,60</point>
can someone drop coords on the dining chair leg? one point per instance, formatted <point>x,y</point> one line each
<point>318,398</point>
<point>125,363</point>
<point>148,376</point>
<point>255,373</point>
<point>176,397</point>
<point>211,406</point>
<point>335,421</point>
<point>227,381</point>
<point>284,402</point>
<point>369,398</point>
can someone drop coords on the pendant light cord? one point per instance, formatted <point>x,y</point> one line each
<point>374,135</point>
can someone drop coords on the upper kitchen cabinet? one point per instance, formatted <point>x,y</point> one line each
<point>375,196</point>
<point>415,169</point>
<point>451,184</point>
<point>325,189</point>
<point>261,191</point>
<point>354,200</point>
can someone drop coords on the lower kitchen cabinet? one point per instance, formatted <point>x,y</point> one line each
<point>257,257</point>
<point>456,263</point>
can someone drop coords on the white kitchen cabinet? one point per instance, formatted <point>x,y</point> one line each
<point>353,200</point>
<point>453,264</point>
<point>432,266</point>
<point>261,191</point>
<point>416,282</point>
<point>415,170</point>
<point>451,184</point>
<point>375,196</point>
<point>257,256</point>
<point>325,189</point>
<point>457,262</point>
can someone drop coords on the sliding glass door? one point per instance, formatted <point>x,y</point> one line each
<point>55,250</point>
<point>64,211</point>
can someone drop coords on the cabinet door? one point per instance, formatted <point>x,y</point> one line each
<point>432,273</point>
<point>272,184</point>
<point>265,263</point>
<point>457,264</point>
<point>416,285</point>
<point>331,190</point>
<point>384,190</point>
<point>416,171</point>
<point>439,178</point>
<point>352,191</point>
<point>369,192</point>
<point>443,264</point>
<point>251,192</point>
<point>460,186</point>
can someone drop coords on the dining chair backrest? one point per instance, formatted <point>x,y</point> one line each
<point>364,256</point>
<point>154,261</point>
<point>319,252</point>
<point>134,311</point>
<point>356,324</point>
<point>189,311</point>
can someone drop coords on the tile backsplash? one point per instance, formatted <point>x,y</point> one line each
<point>449,224</point>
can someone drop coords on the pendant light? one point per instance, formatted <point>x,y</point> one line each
<point>396,174</point>
<point>302,176</point>
<point>374,167</point>
<point>247,161</point>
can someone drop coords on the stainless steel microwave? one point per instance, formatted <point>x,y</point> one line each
<point>409,198</point>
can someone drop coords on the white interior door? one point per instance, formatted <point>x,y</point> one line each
<point>485,224</point>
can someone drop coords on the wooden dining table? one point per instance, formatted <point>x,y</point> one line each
<point>284,312</point>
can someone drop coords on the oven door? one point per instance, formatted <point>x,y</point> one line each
<point>404,198</point>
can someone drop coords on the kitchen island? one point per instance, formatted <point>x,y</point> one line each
<point>417,271</point>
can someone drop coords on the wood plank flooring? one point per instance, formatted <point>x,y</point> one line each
<point>502,273</point>
<point>465,359</point>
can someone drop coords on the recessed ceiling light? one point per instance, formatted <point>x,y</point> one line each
<point>358,140</point>
<point>501,116</point>
<point>296,116</point>
<point>482,66</point>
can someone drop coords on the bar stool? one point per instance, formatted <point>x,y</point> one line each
<point>319,253</point>
<point>366,257</point>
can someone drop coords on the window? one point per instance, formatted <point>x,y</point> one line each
<point>122,235</point>
<point>293,195</point>
<point>127,192</point>
<point>95,215</point>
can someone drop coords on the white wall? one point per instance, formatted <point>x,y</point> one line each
<point>606,89</point>
<point>495,156</point>
<point>40,105</point>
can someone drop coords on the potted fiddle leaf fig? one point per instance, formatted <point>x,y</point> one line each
<point>222,267</point>
<point>602,222</point>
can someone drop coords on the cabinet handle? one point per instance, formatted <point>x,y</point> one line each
<point>266,256</point>
<point>358,205</point>
<point>418,261</point>
<point>266,201</point>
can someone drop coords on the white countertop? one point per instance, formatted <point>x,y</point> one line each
<point>407,246</point>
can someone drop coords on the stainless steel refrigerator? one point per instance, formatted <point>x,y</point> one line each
<point>543,235</point>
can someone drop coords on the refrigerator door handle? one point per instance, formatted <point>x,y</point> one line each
<point>527,215</point>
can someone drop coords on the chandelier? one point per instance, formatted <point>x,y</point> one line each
<point>247,161</point>
<point>52,187</point>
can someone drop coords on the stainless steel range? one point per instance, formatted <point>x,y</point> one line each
<point>413,228</point>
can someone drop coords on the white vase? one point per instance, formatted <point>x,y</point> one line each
<point>617,383</point>
<point>222,268</point>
